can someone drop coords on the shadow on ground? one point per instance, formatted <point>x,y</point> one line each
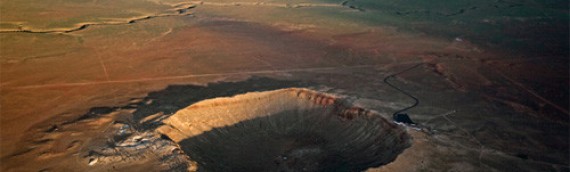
<point>176,97</point>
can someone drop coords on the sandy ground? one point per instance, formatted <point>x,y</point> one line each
<point>493,83</point>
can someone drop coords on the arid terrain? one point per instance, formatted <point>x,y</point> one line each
<point>91,85</point>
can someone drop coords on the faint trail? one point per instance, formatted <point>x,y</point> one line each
<point>442,115</point>
<point>481,146</point>
<point>103,66</point>
<point>182,77</point>
<point>533,93</point>
<point>474,139</point>
<point>264,62</point>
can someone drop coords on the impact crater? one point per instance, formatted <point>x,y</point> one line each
<point>293,129</point>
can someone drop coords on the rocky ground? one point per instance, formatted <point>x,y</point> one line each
<point>80,81</point>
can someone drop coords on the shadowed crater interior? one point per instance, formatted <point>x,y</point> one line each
<point>284,130</point>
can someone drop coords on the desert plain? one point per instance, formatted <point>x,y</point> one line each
<point>91,85</point>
